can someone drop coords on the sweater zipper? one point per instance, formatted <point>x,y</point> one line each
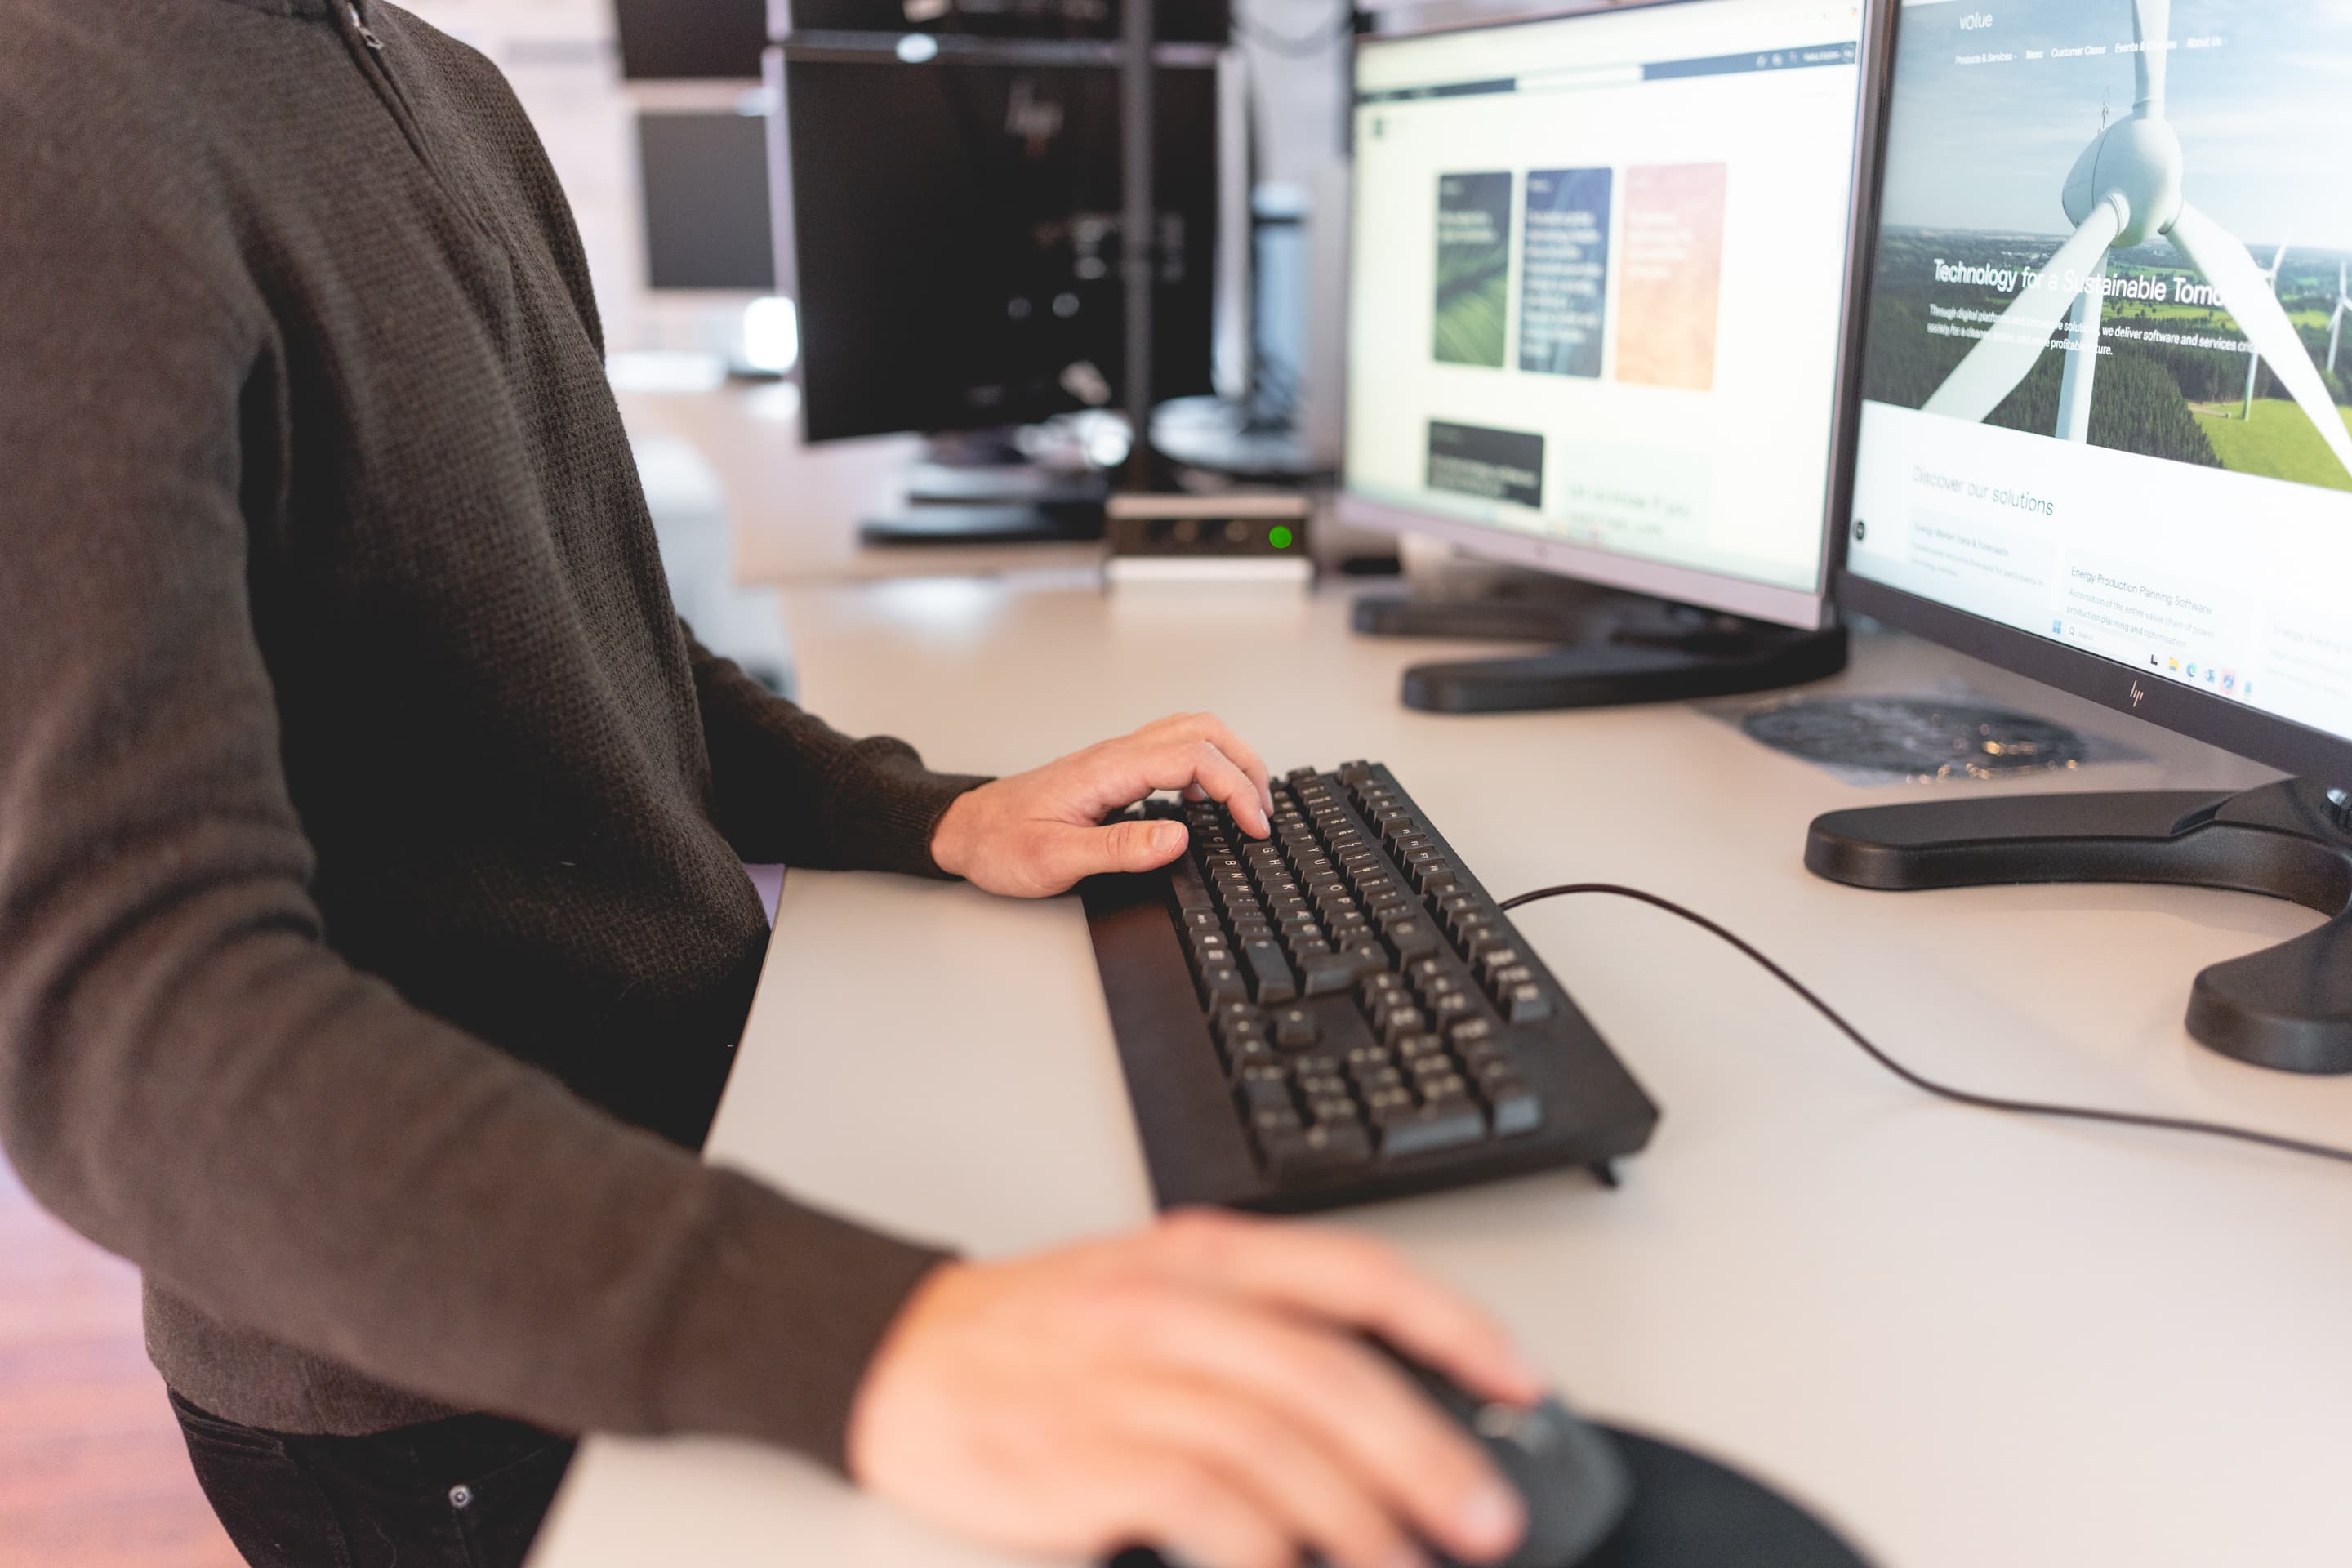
<point>366,34</point>
<point>372,64</point>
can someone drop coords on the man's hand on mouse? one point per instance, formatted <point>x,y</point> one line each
<point>1201,1386</point>
<point>1038,832</point>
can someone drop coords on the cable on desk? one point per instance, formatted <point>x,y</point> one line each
<point>1919,1081</point>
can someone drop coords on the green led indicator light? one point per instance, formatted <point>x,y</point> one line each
<point>1279,537</point>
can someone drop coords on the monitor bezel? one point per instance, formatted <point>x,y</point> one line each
<point>2269,739</point>
<point>1808,608</point>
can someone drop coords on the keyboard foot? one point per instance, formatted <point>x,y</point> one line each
<point>1605,1173</point>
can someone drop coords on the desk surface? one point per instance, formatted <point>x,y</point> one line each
<point>1969,1340</point>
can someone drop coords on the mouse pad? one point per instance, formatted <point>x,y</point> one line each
<point>1687,1512</point>
<point>1691,1512</point>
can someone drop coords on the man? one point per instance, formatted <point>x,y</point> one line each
<point>373,925</point>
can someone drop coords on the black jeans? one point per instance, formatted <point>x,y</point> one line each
<point>467,1493</point>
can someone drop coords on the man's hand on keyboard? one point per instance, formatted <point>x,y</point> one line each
<point>1199,1386</point>
<point>1039,833</point>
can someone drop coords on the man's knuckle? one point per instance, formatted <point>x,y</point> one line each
<point>1374,1267</point>
<point>1199,1236</point>
<point>1181,1490</point>
<point>1262,1442</point>
<point>1332,1373</point>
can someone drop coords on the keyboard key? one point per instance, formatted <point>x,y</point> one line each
<point>1270,1124</point>
<point>1294,1029</point>
<point>1496,958</point>
<point>1513,1106</point>
<point>1261,1094</point>
<point>1323,973</point>
<point>1442,1088</point>
<point>1189,887</point>
<point>1428,1129</point>
<point>1469,1031</point>
<point>1503,979</point>
<point>1319,1151</point>
<point>1411,1048</point>
<point>1271,980</point>
<point>1526,1004</point>
<point>1222,984</point>
<point>1408,937</point>
<point>1332,1110</point>
<point>1257,1052</point>
<point>1453,1007</point>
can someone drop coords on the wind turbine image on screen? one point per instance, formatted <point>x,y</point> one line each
<point>2343,303</point>
<point>2125,187</point>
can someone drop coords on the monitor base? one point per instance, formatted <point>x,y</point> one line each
<point>1626,650</point>
<point>2289,1008</point>
<point>975,488</point>
<point>938,525</point>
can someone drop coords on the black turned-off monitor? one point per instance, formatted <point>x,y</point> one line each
<point>663,40</point>
<point>2101,443</point>
<point>1598,305</point>
<point>954,228</point>
<point>704,184</point>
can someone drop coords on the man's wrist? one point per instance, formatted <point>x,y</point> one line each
<point>952,835</point>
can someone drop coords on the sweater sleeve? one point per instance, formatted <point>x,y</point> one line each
<point>788,787</point>
<point>190,1076</point>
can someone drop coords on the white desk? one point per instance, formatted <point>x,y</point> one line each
<point>1971,1341</point>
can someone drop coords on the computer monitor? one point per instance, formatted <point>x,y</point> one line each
<point>2102,442</point>
<point>1188,21</point>
<point>666,39</point>
<point>1598,298</point>
<point>705,182</point>
<point>953,222</point>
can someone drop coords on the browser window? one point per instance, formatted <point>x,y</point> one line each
<point>1599,274</point>
<point>2105,380</point>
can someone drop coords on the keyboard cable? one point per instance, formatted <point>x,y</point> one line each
<point>1920,1080</point>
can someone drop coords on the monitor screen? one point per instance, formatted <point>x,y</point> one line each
<point>705,179</point>
<point>1190,21</point>
<point>956,227</point>
<point>2105,380</point>
<point>1599,275</point>
<point>675,39</point>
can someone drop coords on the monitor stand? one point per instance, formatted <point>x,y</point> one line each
<point>1617,648</point>
<point>977,489</point>
<point>2289,1008</point>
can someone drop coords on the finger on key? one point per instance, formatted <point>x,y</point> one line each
<point>1217,734</point>
<point>1209,728</point>
<point>1185,765</point>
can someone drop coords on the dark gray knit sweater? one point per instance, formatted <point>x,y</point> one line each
<point>370,829</point>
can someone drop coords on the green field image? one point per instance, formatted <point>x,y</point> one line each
<point>1473,268</point>
<point>2181,402</point>
<point>2278,441</point>
<point>1474,301</point>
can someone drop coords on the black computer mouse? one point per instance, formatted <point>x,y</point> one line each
<point>1574,1482</point>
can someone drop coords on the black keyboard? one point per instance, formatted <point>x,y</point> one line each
<point>1341,1013</point>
